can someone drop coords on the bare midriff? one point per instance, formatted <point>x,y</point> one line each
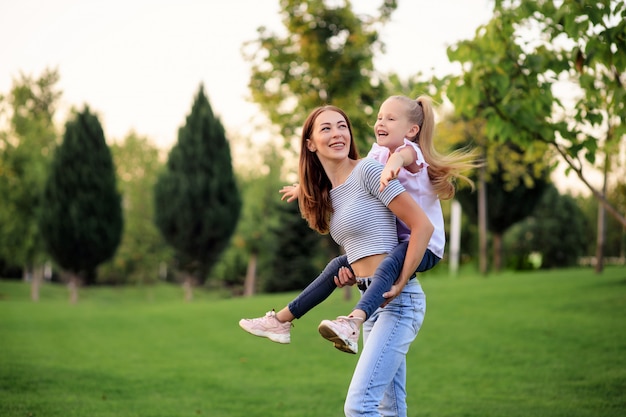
<point>365,267</point>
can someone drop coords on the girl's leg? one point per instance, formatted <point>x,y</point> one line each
<point>318,290</point>
<point>277,326</point>
<point>387,273</point>
<point>344,331</point>
<point>378,386</point>
<point>382,280</point>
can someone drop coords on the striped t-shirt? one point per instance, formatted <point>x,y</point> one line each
<point>361,223</point>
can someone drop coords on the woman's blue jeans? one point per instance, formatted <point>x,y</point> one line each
<point>378,386</point>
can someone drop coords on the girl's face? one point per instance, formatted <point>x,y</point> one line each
<point>393,125</point>
<point>330,137</point>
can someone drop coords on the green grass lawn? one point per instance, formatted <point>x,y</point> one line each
<point>511,345</point>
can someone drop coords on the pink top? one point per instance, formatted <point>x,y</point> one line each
<point>418,185</point>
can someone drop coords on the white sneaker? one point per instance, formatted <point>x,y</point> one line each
<point>343,332</point>
<point>268,326</point>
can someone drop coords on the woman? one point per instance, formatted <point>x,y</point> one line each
<point>341,194</point>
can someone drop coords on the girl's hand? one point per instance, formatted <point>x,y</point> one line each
<point>387,175</point>
<point>290,192</point>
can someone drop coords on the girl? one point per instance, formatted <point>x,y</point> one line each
<point>404,133</point>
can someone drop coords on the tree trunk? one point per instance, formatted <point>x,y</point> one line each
<point>455,236</point>
<point>250,281</point>
<point>72,285</point>
<point>482,220</point>
<point>497,252</point>
<point>188,286</point>
<point>37,279</point>
<point>600,239</point>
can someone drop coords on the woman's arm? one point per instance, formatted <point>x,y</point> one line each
<point>407,210</point>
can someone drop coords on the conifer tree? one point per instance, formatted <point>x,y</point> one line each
<point>197,199</point>
<point>294,265</point>
<point>81,220</point>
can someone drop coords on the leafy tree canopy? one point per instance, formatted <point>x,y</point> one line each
<point>326,57</point>
<point>515,65</point>
<point>25,148</point>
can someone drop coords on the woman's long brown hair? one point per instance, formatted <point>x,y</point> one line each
<point>315,186</point>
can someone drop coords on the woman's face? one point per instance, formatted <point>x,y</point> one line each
<point>330,137</point>
<point>393,125</point>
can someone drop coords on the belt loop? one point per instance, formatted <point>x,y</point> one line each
<point>364,283</point>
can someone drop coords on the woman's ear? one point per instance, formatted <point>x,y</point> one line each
<point>310,146</point>
<point>415,129</point>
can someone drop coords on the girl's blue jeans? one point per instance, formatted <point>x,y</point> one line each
<point>378,386</point>
<point>382,280</point>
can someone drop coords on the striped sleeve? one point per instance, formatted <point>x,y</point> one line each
<point>371,182</point>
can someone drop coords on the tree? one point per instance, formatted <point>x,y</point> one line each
<point>516,63</point>
<point>326,57</point>
<point>197,201</point>
<point>556,231</point>
<point>514,181</point>
<point>260,217</point>
<point>247,259</point>
<point>24,156</point>
<point>294,264</point>
<point>508,183</point>
<point>615,239</point>
<point>82,222</point>
<point>142,250</point>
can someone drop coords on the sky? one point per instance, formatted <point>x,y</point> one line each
<point>138,64</point>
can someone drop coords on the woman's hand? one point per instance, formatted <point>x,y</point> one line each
<point>393,292</point>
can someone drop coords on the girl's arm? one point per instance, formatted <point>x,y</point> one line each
<point>290,192</point>
<point>405,157</point>
<point>407,210</point>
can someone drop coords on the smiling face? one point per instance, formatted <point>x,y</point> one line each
<point>393,124</point>
<point>330,136</point>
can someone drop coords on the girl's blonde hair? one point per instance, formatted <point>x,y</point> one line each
<point>443,170</point>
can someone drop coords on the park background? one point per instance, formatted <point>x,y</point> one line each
<point>143,148</point>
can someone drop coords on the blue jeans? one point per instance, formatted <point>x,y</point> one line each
<point>318,290</point>
<point>387,273</point>
<point>382,280</point>
<point>378,386</point>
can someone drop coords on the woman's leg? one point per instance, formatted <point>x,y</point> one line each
<point>378,386</point>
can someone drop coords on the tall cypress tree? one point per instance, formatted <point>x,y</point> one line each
<point>197,200</point>
<point>81,218</point>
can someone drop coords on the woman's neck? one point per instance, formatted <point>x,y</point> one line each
<point>339,171</point>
